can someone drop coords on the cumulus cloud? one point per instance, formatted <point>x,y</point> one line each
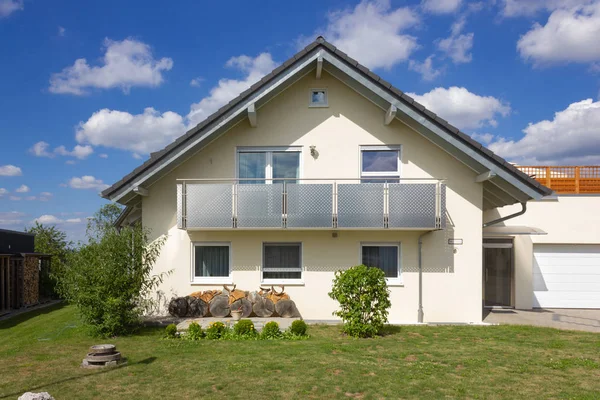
<point>11,218</point>
<point>374,33</point>
<point>458,45</point>
<point>441,6</point>
<point>22,189</point>
<point>40,149</point>
<point>425,68</point>
<point>87,182</point>
<point>485,138</point>
<point>10,170</point>
<point>8,7</point>
<point>49,219</point>
<point>3,192</point>
<point>126,64</point>
<point>196,82</point>
<point>571,137</point>
<point>462,108</point>
<point>569,35</point>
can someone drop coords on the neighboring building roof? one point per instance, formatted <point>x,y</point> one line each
<point>12,242</point>
<point>520,186</point>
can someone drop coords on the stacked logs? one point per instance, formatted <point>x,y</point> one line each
<point>267,302</point>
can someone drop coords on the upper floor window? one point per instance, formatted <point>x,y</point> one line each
<point>267,165</point>
<point>318,98</point>
<point>379,164</point>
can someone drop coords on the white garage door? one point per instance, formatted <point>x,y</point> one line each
<point>566,276</point>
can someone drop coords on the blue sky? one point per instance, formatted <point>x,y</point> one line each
<point>88,89</point>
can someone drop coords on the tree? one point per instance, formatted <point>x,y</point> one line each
<point>103,220</point>
<point>50,240</point>
<point>110,278</point>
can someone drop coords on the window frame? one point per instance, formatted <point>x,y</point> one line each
<point>382,174</point>
<point>269,150</point>
<point>280,281</point>
<point>318,105</point>
<point>210,280</point>
<point>391,281</point>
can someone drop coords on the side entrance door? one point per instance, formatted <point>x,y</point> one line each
<point>497,272</point>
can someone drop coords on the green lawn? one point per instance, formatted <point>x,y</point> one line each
<point>41,351</point>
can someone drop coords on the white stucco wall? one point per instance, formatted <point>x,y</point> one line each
<point>566,219</point>
<point>452,280</point>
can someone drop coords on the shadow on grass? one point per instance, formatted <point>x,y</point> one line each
<point>26,315</point>
<point>390,330</point>
<point>98,372</point>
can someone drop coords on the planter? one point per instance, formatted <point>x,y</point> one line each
<point>236,314</point>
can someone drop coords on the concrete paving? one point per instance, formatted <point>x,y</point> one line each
<point>570,319</point>
<point>259,323</point>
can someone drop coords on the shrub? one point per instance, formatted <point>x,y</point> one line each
<point>194,331</point>
<point>298,328</point>
<point>271,330</point>
<point>216,330</point>
<point>364,300</point>
<point>244,327</point>
<point>171,331</point>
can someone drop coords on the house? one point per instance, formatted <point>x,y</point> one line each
<point>323,165</point>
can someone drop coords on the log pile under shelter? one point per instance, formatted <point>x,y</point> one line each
<point>264,303</point>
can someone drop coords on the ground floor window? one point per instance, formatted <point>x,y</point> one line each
<point>385,256</point>
<point>211,261</point>
<point>282,261</point>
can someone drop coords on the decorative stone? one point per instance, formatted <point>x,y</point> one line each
<point>36,396</point>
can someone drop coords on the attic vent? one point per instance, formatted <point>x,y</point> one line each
<point>318,98</point>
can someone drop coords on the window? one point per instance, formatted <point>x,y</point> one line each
<point>318,98</point>
<point>385,256</point>
<point>267,165</point>
<point>281,262</point>
<point>379,162</point>
<point>211,262</point>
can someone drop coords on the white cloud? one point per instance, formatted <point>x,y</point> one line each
<point>10,170</point>
<point>425,68</point>
<point>126,64</point>
<point>570,138</point>
<point>458,45</point>
<point>103,155</point>
<point>518,8</point>
<point>197,82</point>
<point>87,182</point>
<point>22,189</point>
<point>11,217</point>
<point>139,133</point>
<point>40,149</point>
<point>373,32</point>
<point>441,6</point>
<point>485,138</point>
<point>44,196</point>
<point>73,220</point>
<point>15,198</point>
<point>7,7</point>
<point>49,219</point>
<point>3,192</point>
<point>462,108</point>
<point>570,35</point>
<point>62,31</point>
<point>253,68</point>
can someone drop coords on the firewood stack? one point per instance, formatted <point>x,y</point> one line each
<point>265,303</point>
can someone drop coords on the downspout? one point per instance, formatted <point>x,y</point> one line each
<point>420,310</point>
<point>497,221</point>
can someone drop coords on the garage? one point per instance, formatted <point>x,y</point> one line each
<point>566,276</point>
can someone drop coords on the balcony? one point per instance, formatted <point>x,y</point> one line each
<point>205,204</point>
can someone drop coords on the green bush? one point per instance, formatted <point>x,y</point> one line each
<point>171,331</point>
<point>244,327</point>
<point>298,328</point>
<point>216,330</point>
<point>364,300</point>
<point>194,332</point>
<point>271,331</point>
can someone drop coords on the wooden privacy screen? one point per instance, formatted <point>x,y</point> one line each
<point>566,179</point>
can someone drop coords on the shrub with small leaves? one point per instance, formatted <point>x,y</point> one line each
<point>298,328</point>
<point>244,327</point>
<point>171,331</point>
<point>194,332</point>
<point>216,330</point>
<point>364,300</point>
<point>271,331</point>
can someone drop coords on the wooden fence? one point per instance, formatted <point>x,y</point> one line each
<point>566,179</point>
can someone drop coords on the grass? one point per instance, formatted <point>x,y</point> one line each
<point>42,351</point>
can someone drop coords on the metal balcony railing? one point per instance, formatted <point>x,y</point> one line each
<point>310,204</point>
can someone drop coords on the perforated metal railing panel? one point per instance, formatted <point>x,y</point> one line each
<point>360,205</point>
<point>209,205</point>
<point>412,205</point>
<point>260,206</point>
<point>443,206</point>
<point>309,206</point>
<point>179,206</point>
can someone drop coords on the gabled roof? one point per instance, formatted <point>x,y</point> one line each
<point>508,186</point>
